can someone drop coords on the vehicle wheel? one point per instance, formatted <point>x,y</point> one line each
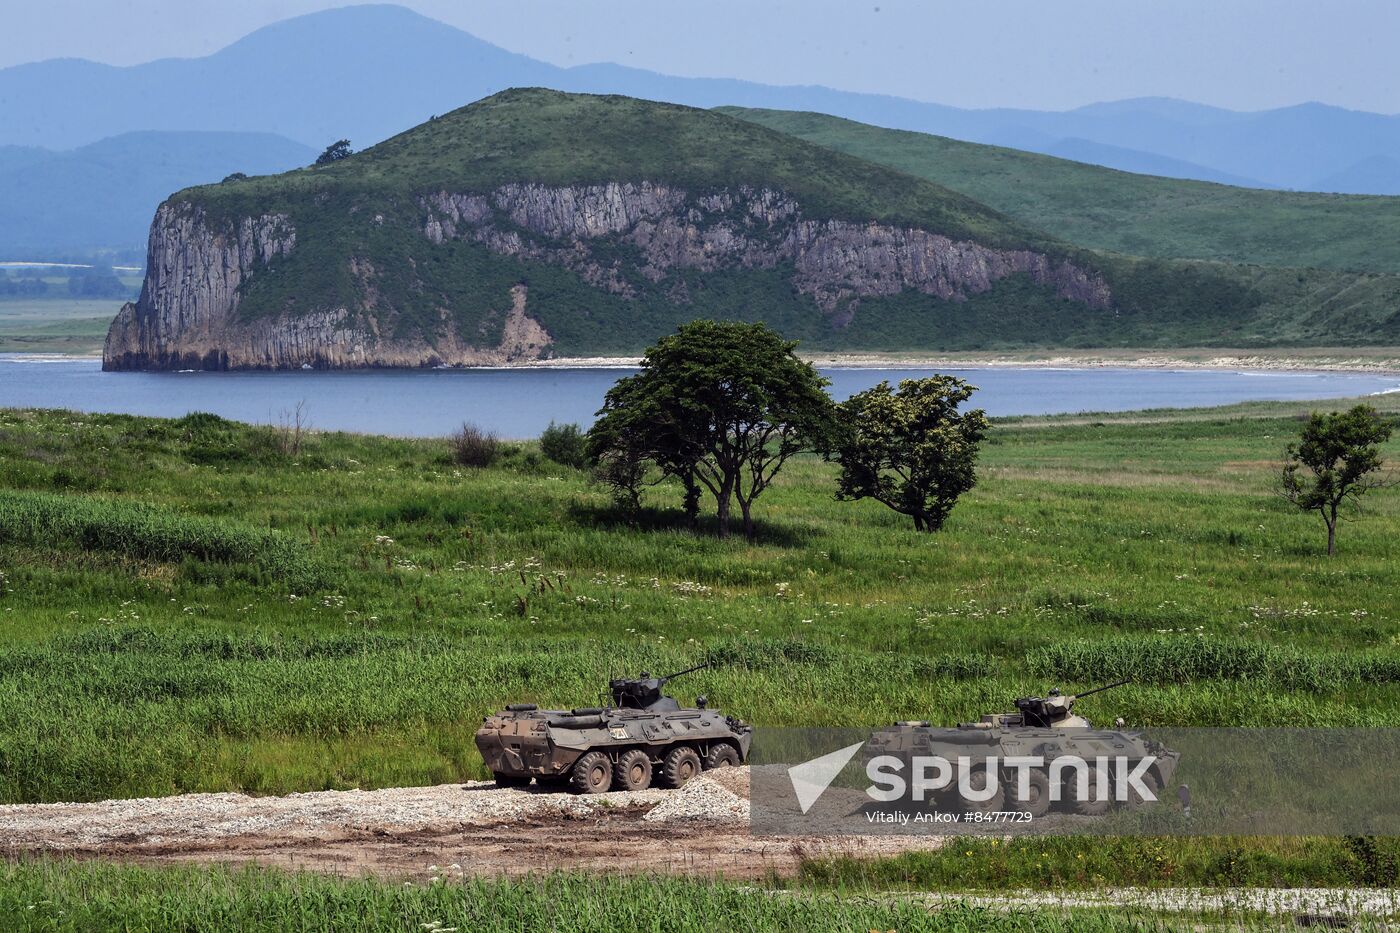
<point>1136,800</point>
<point>978,781</point>
<point>722,755</point>
<point>1038,803</point>
<point>592,774</point>
<point>632,771</point>
<point>680,765</point>
<point>510,780</point>
<point>1096,804</point>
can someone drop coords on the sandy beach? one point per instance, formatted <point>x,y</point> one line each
<point>1374,360</point>
<point>1381,361</point>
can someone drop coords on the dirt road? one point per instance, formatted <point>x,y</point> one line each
<point>474,828</point>
<point>456,830</point>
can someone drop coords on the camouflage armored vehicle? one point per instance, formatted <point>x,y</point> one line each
<point>1044,728</point>
<point>638,737</point>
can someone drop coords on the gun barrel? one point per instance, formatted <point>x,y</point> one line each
<point>686,671</point>
<point>1119,683</point>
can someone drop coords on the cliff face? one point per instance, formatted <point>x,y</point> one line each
<point>619,238</point>
<point>187,316</point>
<point>836,262</point>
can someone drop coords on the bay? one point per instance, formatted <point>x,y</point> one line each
<point>520,403</point>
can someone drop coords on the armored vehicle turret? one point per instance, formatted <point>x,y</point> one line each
<point>1039,756</point>
<point>639,736</point>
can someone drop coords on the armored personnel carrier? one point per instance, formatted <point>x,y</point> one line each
<point>640,736</point>
<point>1046,729</point>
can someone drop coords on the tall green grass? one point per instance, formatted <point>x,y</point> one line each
<point>67,896</point>
<point>1174,659</point>
<point>1088,550</point>
<point>147,532</point>
<point>1138,861</point>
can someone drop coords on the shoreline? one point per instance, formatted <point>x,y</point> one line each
<point>1375,361</point>
<point>1385,363</point>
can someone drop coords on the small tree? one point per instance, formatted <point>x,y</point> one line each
<point>720,405</point>
<point>336,151</point>
<point>1341,455</point>
<point>564,443</point>
<point>911,449</point>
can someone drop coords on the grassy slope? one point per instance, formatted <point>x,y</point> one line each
<point>126,676</point>
<point>553,138</point>
<point>367,206</point>
<point>1143,215</point>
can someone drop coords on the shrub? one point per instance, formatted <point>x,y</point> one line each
<point>474,447</point>
<point>209,440</point>
<point>564,443</point>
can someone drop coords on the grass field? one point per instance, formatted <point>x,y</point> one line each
<point>55,895</point>
<point>349,614</point>
<point>54,325</point>
<point>185,606</point>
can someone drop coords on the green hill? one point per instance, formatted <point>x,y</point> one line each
<point>537,223</point>
<point>1143,215</point>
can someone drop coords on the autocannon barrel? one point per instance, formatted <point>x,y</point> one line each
<point>686,671</point>
<point>1119,683</point>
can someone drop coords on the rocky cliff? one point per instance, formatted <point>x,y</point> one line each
<point>835,262</point>
<point>188,314</point>
<point>618,238</point>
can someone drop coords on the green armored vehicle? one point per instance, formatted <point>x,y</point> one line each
<point>1029,761</point>
<point>639,738</point>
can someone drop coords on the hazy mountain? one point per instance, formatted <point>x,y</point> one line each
<point>1138,162</point>
<point>13,157</point>
<point>101,196</point>
<point>367,72</point>
<point>1377,174</point>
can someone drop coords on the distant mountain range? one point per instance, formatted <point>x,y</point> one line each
<point>101,196</point>
<point>368,72</point>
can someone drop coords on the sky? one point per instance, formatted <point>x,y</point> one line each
<point>1039,54</point>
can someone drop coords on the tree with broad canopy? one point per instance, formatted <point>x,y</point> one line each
<point>909,449</point>
<point>721,406</point>
<point>340,149</point>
